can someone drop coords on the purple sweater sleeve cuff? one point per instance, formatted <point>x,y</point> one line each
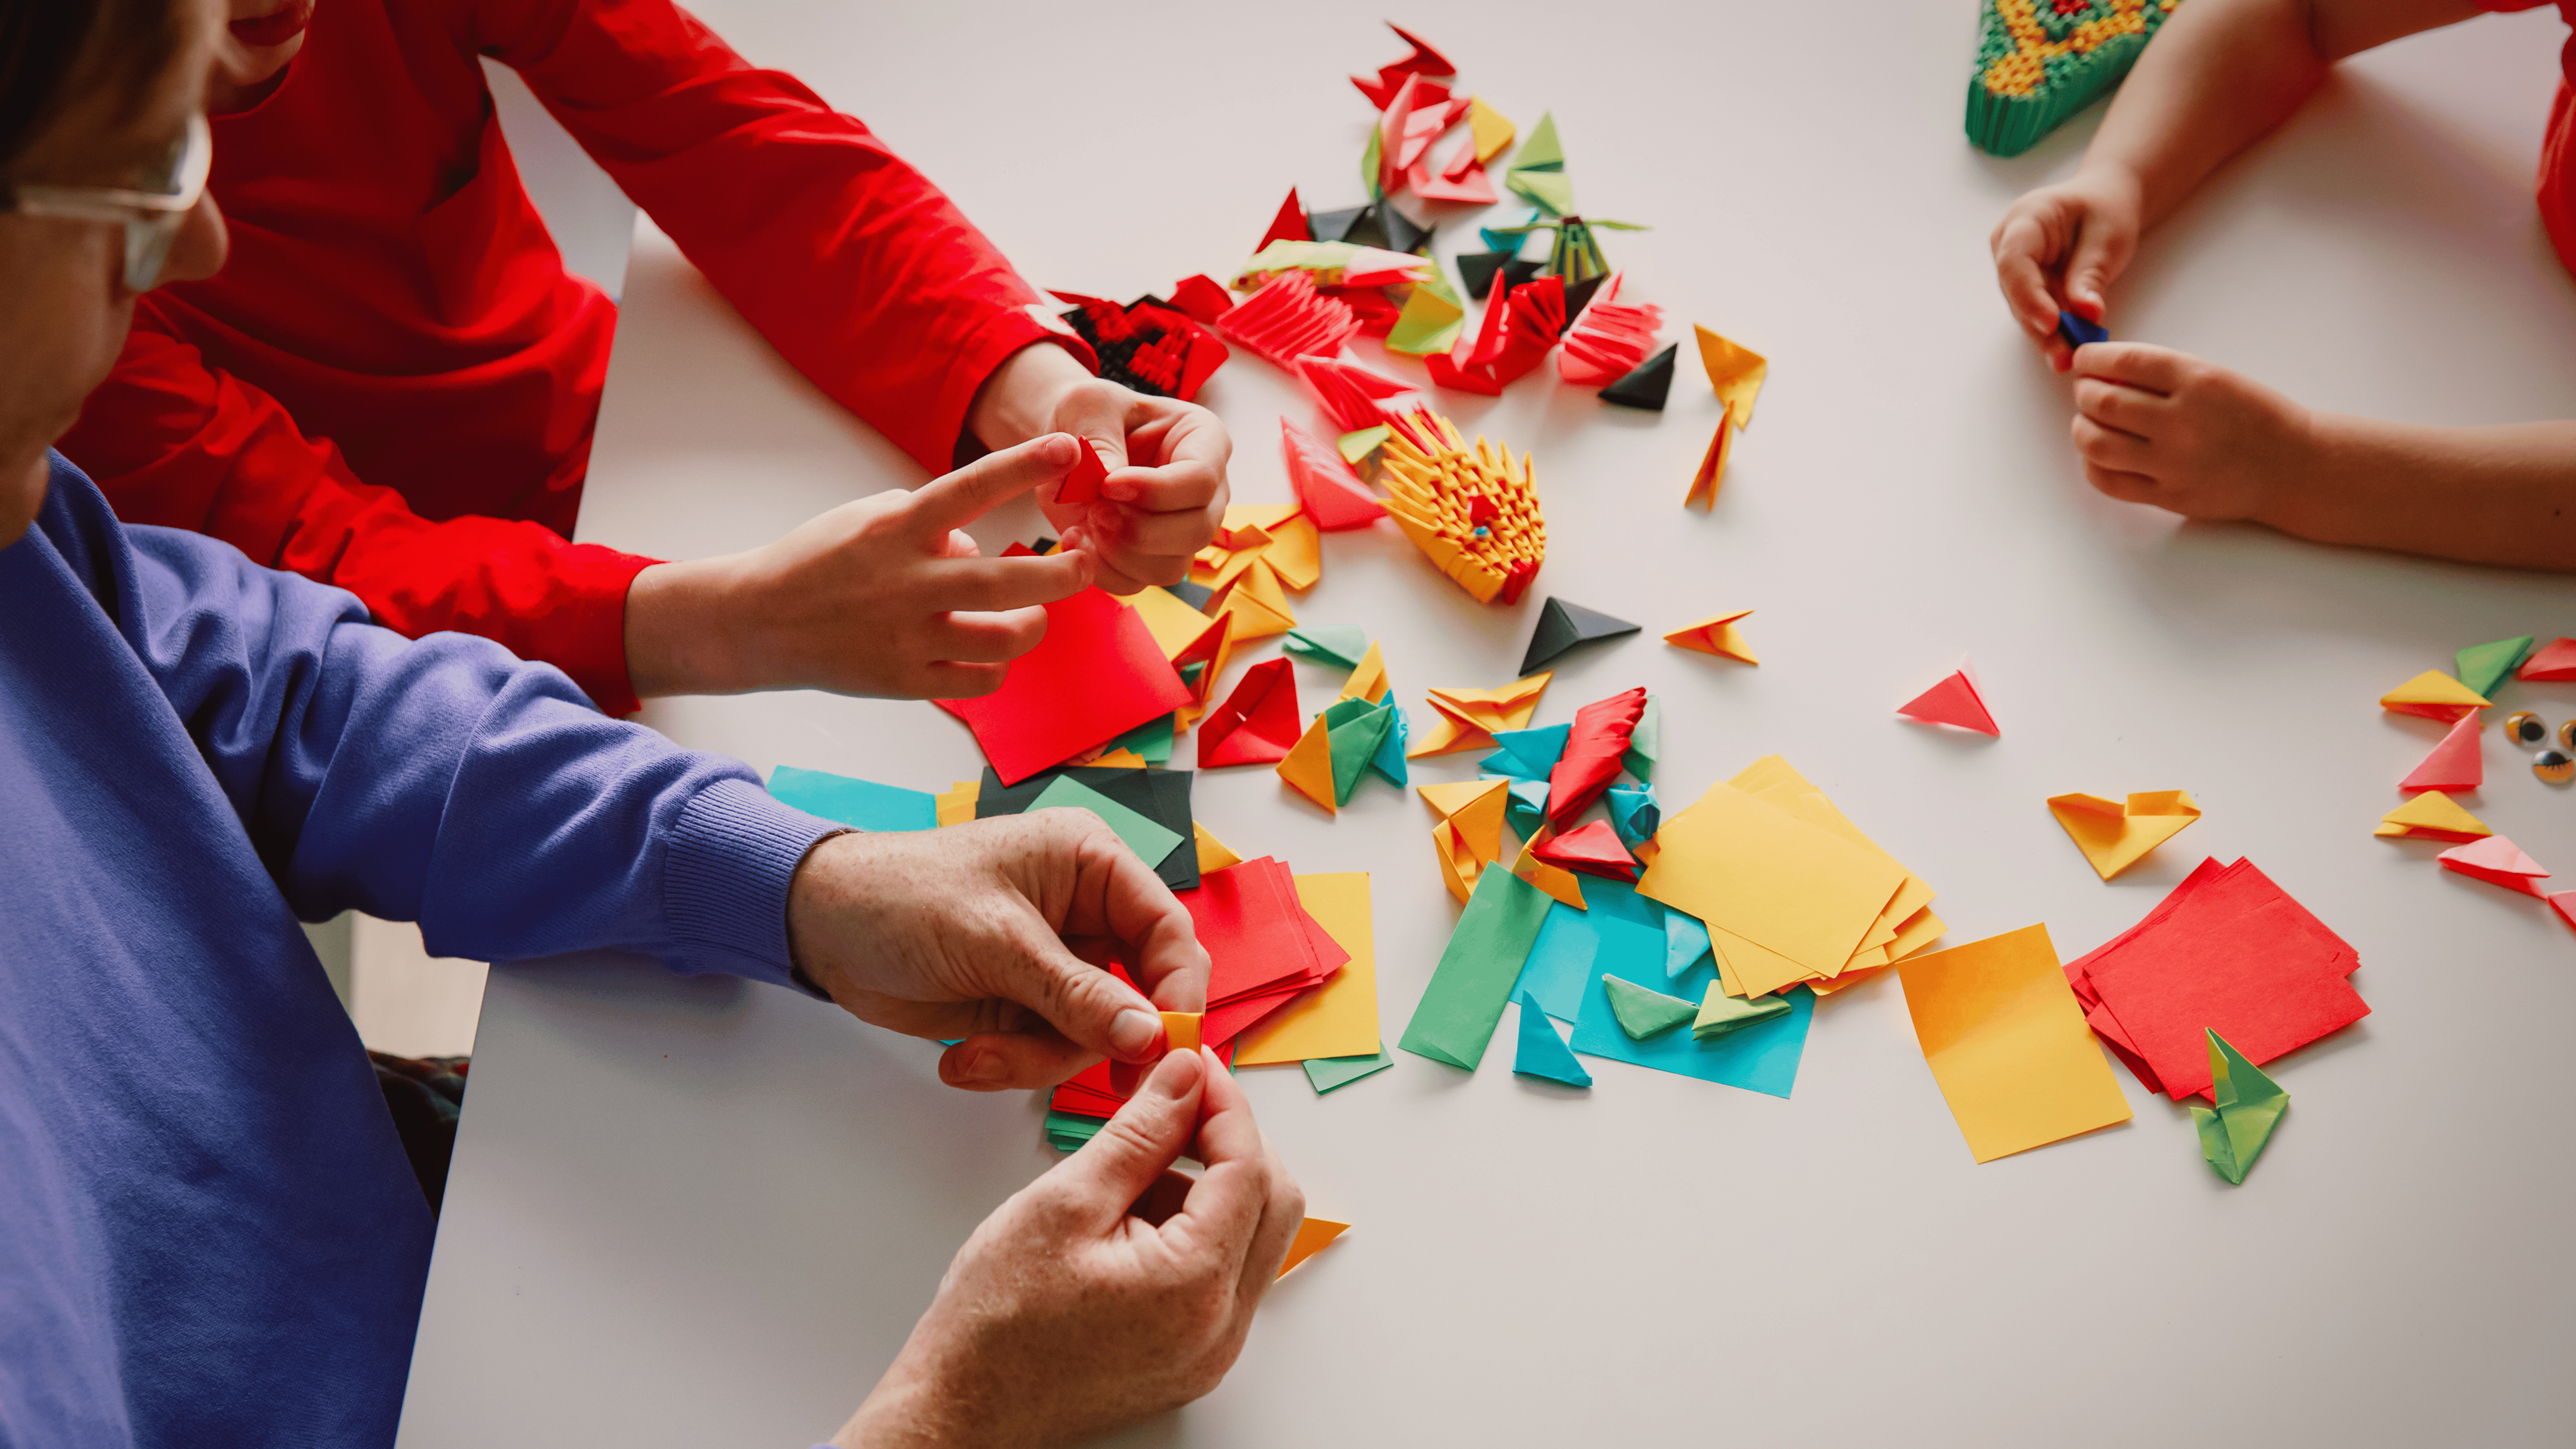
<point>725,873</point>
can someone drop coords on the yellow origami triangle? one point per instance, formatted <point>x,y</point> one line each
<point>1565,885</point>
<point>1492,129</point>
<point>2433,811</point>
<point>1248,524</point>
<point>1715,634</point>
<point>1212,852</point>
<point>2434,695</point>
<point>1475,809</point>
<point>1169,618</point>
<point>2114,836</point>
<point>1313,1236</point>
<point>1259,609</point>
<point>1712,469</point>
<point>1735,371</point>
<point>1296,552</point>
<point>1459,866</point>
<point>1448,735</point>
<point>1368,681</point>
<point>1309,765</point>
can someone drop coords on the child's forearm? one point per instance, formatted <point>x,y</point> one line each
<point>2497,495</point>
<point>2222,73</point>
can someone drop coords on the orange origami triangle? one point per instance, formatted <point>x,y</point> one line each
<point>1715,634</point>
<point>1313,1236</point>
<point>1712,469</point>
<point>1309,765</point>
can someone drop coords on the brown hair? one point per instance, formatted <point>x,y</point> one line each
<point>52,49</point>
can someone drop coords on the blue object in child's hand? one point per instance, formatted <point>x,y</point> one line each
<point>2077,331</point>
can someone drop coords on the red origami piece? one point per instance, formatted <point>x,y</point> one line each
<point>1593,850</point>
<point>1356,398</point>
<point>2227,951</point>
<point>2455,764</point>
<point>1287,320</point>
<point>1462,180</point>
<point>1607,342</point>
<point>1289,225</point>
<point>1520,325</point>
<point>1096,674</point>
<point>1424,61</point>
<point>2497,861</point>
<point>1592,754</point>
<point>2553,660</point>
<point>1954,701</point>
<point>1147,345</point>
<point>1202,298</point>
<point>1327,489</point>
<point>1082,485</point>
<point>1255,725</point>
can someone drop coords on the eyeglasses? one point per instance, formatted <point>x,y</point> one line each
<point>152,215</point>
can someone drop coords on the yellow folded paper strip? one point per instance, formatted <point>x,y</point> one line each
<point>2114,836</point>
<point>1181,1030</point>
<point>1469,834</point>
<point>1369,680</point>
<point>1338,1018</point>
<point>1712,468</point>
<point>2432,815</point>
<point>1715,634</point>
<point>1763,875</point>
<point>1557,881</point>
<point>1277,534</point>
<point>1213,854</point>
<point>1467,719</point>
<point>956,804</point>
<point>1256,605</point>
<point>2006,1040</point>
<point>1735,371</point>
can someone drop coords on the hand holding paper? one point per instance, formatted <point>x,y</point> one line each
<point>986,933</point>
<point>1110,1289</point>
<point>1166,487</point>
<point>2059,247</point>
<point>882,596</point>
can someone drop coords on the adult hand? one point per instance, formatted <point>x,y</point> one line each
<point>2159,426</point>
<point>979,933</point>
<point>883,596</point>
<point>2060,247</point>
<point>1108,1290</point>
<point>1166,490</point>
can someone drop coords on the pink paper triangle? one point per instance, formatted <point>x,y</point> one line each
<point>2497,861</point>
<point>2564,903</point>
<point>2454,765</point>
<point>1954,701</point>
<point>1331,493</point>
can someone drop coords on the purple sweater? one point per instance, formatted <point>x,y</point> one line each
<point>208,1231</point>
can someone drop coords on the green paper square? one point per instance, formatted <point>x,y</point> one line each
<point>1148,838</point>
<point>1326,1073</point>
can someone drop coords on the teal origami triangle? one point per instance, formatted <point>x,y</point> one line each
<point>1342,644</point>
<point>2483,667</point>
<point>1685,942</point>
<point>1526,810</point>
<point>1389,759</point>
<point>1526,754</point>
<point>1642,1013</point>
<point>1634,813</point>
<point>1542,1053</point>
<point>2250,1104</point>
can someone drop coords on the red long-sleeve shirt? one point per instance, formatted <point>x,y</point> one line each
<point>392,384</point>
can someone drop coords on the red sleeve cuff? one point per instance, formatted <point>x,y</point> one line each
<point>586,636</point>
<point>991,345</point>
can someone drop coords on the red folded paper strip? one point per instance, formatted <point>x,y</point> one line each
<point>1520,325</point>
<point>1096,675</point>
<point>1356,398</point>
<point>1592,754</point>
<point>1331,493</point>
<point>1422,61</point>
<point>1287,319</point>
<point>1593,850</point>
<point>1609,339</point>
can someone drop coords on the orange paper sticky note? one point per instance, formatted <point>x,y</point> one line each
<point>2006,1040</point>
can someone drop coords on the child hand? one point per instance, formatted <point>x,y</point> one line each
<point>2157,426</point>
<point>2059,247</point>
<point>1166,489</point>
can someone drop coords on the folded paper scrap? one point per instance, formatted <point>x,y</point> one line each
<point>2114,836</point>
<point>2249,1105</point>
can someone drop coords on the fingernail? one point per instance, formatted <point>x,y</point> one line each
<point>981,1067</point>
<point>1057,448</point>
<point>1134,1032</point>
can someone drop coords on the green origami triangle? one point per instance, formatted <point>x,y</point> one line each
<point>1553,191</point>
<point>2250,1105</point>
<point>1644,1013</point>
<point>1326,1073</point>
<point>2482,667</point>
<point>1358,445</point>
<point>1342,644</point>
<point>1369,166</point>
<point>1541,151</point>
<point>1721,1013</point>
<point>1354,738</point>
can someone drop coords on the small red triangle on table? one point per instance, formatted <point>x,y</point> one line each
<point>1593,850</point>
<point>1257,724</point>
<point>2454,765</point>
<point>1954,701</point>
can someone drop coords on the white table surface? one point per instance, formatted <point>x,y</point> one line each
<point>690,1213</point>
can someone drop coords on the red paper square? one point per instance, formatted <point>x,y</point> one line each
<point>1096,675</point>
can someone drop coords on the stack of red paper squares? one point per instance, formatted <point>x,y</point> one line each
<point>2228,952</point>
<point>1263,949</point>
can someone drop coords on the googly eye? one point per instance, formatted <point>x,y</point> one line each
<point>2526,728</point>
<point>2556,766</point>
<point>2567,736</point>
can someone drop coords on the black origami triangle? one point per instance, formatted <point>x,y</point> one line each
<point>1648,385</point>
<point>1563,627</point>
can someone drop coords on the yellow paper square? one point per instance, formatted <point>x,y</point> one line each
<point>1751,869</point>
<point>2007,1042</point>
<point>1338,1018</point>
